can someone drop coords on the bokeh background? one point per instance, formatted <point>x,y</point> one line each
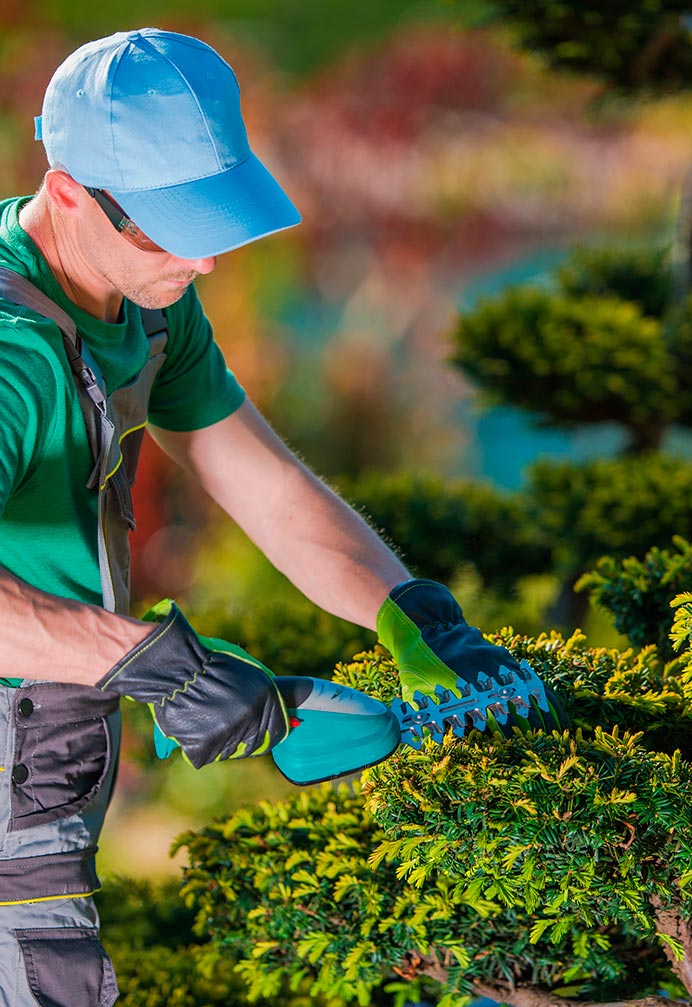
<point>434,164</point>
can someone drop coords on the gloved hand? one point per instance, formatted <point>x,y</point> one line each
<point>214,705</point>
<point>423,627</point>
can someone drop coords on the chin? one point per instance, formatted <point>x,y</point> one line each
<point>156,299</point>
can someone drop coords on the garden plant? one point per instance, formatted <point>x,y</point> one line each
<point>536,869</point>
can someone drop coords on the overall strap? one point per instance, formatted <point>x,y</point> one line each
<point>92,396</point>
<point>114,428</point>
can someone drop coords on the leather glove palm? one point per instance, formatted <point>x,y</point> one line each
<point>424,629</point>
<point>215,705</point>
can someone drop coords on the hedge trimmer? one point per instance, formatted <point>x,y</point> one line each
<point>337,730</point>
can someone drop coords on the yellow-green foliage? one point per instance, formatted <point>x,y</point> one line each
<point>533,858</point>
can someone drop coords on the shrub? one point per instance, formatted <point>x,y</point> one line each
<point>439,525</point>
<point>478,866</point>
<point>609,506</point>
<point>639,592</point>
<point>276,632</point>
<point>159,961</point>
<point>640,275</point>
<point>569,360</point>
<point>633,48</point>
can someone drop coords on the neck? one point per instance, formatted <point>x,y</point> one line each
<point>57,237</point>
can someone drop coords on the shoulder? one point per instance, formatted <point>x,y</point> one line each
<point>33,363</point>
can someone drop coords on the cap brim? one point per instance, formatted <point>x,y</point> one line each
<point>209,216</point>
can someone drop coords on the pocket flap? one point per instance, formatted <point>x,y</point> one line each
<point>68,966</point>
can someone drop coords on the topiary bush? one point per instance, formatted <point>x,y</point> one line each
<point>608,506</point>
<point>643,276</point>
<point>639,592</point>
<point>570,360</point>
<point>439,525</point>
<point>566,517</point>
<point>522,868</point>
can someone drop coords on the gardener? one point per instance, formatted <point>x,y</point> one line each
<point>151,177</point>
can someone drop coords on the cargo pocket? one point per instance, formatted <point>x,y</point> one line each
<point>67,967</point>
<point>62,752</point>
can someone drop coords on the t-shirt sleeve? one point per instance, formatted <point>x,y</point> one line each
<point>194,388</point>
<point>28,389</point>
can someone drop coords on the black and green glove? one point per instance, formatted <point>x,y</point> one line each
<point>440,656</point>
<point>214,704</point>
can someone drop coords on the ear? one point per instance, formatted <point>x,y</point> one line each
<point>62,190</point>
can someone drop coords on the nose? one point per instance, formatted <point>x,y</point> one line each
<point>200,266</point>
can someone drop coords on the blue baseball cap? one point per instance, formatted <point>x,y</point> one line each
<point>154,118</point>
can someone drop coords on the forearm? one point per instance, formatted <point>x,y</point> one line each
<point>328,550</point>
<point>57,639</point>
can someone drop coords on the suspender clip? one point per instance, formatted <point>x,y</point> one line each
<point>92,387</point>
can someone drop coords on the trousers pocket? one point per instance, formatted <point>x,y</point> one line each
<point>67,967</point>
<point>62,752</point>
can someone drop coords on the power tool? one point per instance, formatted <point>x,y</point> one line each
<point>337,730</point>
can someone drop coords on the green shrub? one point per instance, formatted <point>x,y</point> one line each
<point>159,961</point>
<point>535,860</point>
<point>616,507</point>
<point>642,276</point>
<point>607,342</point>
<point>160,976</point>
<point>677,335</point>
<point>440,525</point>
<point>639,592</point>
<point>640,47</point>
<point>288,634</point>
<point>137,914</point>
<point>569,360</point>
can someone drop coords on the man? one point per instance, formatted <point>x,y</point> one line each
<point>151,177</point>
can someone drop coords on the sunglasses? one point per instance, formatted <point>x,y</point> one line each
<point>122,223</point>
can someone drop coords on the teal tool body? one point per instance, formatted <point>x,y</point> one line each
<point>335,731</point>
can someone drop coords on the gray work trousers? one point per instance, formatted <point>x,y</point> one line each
<point>50,955</point>
<point>58,759</point>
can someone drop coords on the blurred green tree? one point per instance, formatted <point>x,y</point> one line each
<point>607,342</point>
<point>644,45</point>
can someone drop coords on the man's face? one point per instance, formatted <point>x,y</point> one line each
<point>150,279</point>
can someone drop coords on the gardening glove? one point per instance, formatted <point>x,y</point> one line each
<point>215,705</point>
<point>437,652</point>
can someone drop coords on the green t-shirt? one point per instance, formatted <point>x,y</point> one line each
<point>48,518</point>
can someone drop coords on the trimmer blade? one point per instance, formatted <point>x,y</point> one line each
<point>435,715</point>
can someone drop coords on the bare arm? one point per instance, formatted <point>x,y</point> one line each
<point>327,550</point>
<point>47,637</point>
